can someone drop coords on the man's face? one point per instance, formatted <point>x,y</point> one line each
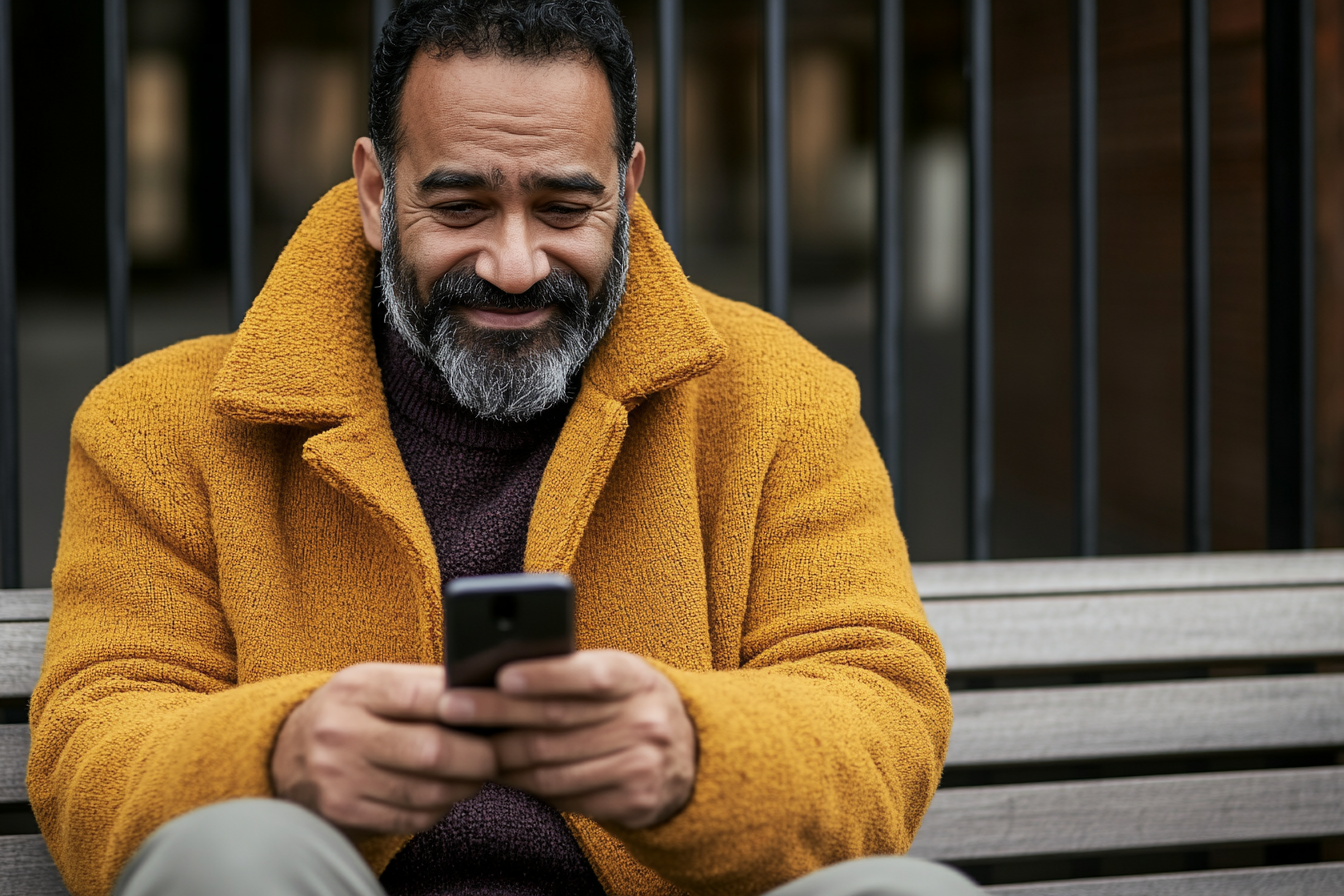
<point>506,236</point>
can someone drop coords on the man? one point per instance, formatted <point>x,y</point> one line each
<point>258,527</point>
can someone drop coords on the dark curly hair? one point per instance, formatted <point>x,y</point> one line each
<point>586,30</point>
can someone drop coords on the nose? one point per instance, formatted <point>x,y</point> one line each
<point>511,261</point>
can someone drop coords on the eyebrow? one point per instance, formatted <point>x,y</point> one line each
<point>565,183</point>
<point>451,179</point>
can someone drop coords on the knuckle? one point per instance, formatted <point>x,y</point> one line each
<point>651,723</point>
<point>329,732</point>
<point>534,750</point>
<point>340,808</point>
<point>642,806</point>
<point>428,751</point>
<point>545,780</point>
<point>556,712</point>
<point>646,759</point>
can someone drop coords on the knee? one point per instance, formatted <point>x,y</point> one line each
<point>883,876</point>
<point>230,847</point>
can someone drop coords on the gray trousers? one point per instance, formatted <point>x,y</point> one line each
<point>275,848</point>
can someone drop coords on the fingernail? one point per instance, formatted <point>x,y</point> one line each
<point>511,681</point>
<point>457,707</point>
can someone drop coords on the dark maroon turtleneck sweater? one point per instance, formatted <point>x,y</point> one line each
<point>476,480</point>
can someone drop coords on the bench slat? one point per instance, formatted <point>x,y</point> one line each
<point>14,743</point>
<point>26,868</point>
<point>985,635</point>
<point>25,605</point>
<point>21,645</point>
<point>981,823</point>
<point>1097,722</point>
<point>1111,574</point>
<point>1325,879</point>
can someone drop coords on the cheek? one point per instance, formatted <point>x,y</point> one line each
<point>588,254</point>
<point>432,252</point>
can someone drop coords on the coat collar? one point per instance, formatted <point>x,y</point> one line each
<point>304,354</point>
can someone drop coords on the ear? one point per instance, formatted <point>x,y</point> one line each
<point>634,174</point>
<point>369,180</point>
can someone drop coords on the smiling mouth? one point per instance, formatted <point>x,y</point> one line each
<point>508,318</point>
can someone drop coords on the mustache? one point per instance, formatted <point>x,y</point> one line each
<point>467,289</point>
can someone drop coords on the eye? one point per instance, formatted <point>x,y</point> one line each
<point>564,214</point>
<point>460,214</point>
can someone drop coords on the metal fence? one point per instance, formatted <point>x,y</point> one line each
<point>1289,80</point>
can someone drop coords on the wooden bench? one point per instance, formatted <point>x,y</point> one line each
<point>1121,715</point>
<point>1113,716</point>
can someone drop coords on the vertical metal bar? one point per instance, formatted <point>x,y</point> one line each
<point>669,121</point>
<point>1086,445</point>
<point>775,280</point>
<point>1198,438</point>
<point>240,160</point>
<point>1290,62</point>
<point>890,237</point>
<point>379,11</point>
<point>980,332</point>
<point>118,250</point>
<point>10,569</point>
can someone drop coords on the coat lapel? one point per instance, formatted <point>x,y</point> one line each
<point>660,338</point>
<point>304,356</point>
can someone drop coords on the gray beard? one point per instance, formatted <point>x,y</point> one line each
<point>512,375</point>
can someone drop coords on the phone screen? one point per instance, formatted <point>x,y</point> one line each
<point>490,621</point>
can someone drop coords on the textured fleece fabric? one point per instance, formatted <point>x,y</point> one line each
<point>238,524</point>
<point>476,480</point>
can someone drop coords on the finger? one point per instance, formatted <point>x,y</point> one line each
<point>523,748</point>
<point>428,750</point>
<point>414,793</point>
<point>394,690</point>
<point>641,763</point>
<point>591,674</point>
<point>608,804</point>
<point>490,708</point>
<point>371,816</point>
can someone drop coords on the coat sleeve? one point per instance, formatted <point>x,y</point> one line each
<point>828,743</point>
<point>137,717</point>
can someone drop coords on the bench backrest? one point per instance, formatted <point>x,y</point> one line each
<point>1038,656</point>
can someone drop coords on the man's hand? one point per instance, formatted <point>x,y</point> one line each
<point>366,751</point>
<point>600,732</point>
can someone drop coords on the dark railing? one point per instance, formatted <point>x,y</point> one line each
<point>1289,33</point>
<point>240,159</point>
<point>9,321</point>
<point>1086,361</point>
<point>980,357</point>
<point>1198,433</point>
<point>890,237</point>
<point>118,243</point>
<point>775,164</point>
<point>1290,27</point>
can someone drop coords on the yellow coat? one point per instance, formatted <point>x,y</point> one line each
<point>239,524</point>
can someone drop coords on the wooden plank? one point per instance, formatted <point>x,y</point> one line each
<point>1112,574</point>
<point>14,743</point>
<point>21,646</point>
<point>26,868</point>
<point>1008,821</point>
<point>987,634</point>
<point>25,605</point>
<point>1325,879</point>
<point>1097,722</point>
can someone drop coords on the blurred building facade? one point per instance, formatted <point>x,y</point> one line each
<point>310,61</point>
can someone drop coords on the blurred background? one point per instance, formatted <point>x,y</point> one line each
<point>309,80</point>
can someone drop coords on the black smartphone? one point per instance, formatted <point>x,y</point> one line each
<point>493,620</point>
